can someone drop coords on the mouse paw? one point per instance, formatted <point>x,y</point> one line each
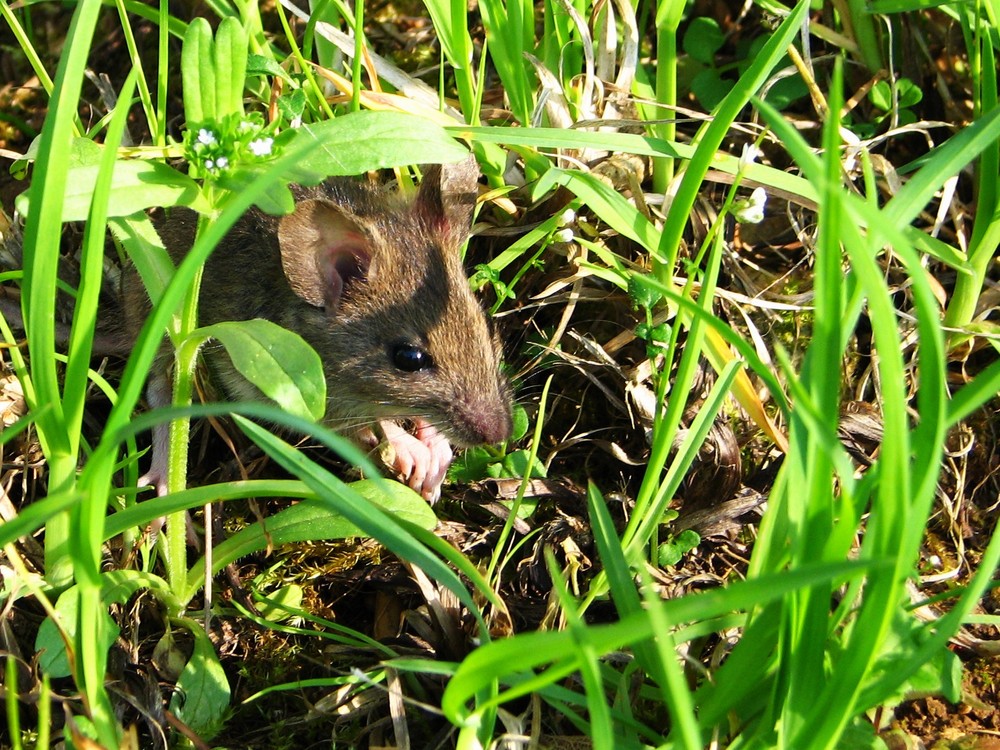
<point>422,459</point>
<point>154,479</point>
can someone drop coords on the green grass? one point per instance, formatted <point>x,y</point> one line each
<point>814,634</point>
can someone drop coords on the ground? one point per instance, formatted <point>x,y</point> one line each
<point>595,431</point>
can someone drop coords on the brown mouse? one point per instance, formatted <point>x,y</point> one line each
<point>375,283</point>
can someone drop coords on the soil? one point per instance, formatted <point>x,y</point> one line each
<point>362,586</point>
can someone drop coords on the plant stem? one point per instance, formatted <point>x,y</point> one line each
<point>668,18</point>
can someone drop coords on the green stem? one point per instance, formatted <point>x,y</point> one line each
<point>144,96</point>
<point>162,73</point>
<point>306,68</point>
<point>969,286</point>
<point>359,25</point>
<point>986,230</point>
<point>180,434</point>
<point>866,35</point>
<point>666,95</point>
<point>186,358</point>
<point>465,78</point>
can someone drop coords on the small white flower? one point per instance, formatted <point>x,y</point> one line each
<point>751,210</point>
<point>749,155</point>
<point>564,235</point>
<point>222,162</point>
<point>567,217</point>
<point>206,136</point>
<point>296,122</point>
<point>246,125</point>
<point>209,164</point>
<point>261,146</point>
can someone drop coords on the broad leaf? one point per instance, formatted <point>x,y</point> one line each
<point>202,694</point>
<point>135,185</point>
<point>363,141</point>
<point>309,521</point>
<point>280,363</point>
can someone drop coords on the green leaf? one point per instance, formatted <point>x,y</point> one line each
<point>710,88</point>
<point>116,588</point>
<point>51,647</point>
<point>259,65</point>
<point>197,73</point>
<point>202,694</point>
<point>135,186</point>
<point>363,141</point>
<point>277,201</point>
<point>657,336</point>
<point>786,91</point>
<point>940,675</point>
<point>291,106</point>
<point>82,151</point>
<point>230,67</point>
<point>280,363</point>
<point>643,296</point>
<point>908,92</point>
<point>309,521</point>
<point>687,540</point>
<point>703,39</point>
<point>275,605</point>
<point>521,423</point>
<point>668,554</point>
<point>881,95</point>
<point>516,465</point>
<point>473,465</point>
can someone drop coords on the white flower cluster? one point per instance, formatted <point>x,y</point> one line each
<point>216,147</point>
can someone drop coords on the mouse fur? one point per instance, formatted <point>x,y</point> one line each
<point>371,280</point>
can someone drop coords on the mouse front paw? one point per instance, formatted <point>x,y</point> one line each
<point>422,459</point>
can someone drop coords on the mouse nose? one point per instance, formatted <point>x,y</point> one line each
<point>495,427</point>
<point>485,421</point>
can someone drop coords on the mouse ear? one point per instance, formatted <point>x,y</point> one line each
<point>323,252</point>
<point>448,195</point>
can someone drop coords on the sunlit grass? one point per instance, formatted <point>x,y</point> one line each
<point>824,621</point>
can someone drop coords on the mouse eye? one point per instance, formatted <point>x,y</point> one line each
<point>409,358</point>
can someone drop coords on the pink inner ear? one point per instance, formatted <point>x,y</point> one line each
<point>323,251</point>
<point>341,265</point>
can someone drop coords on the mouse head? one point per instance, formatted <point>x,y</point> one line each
<point>403,336</point>
<point>327,243</point>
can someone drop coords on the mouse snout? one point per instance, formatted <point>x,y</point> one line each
<point>483,421</point>
<point>493,428</point>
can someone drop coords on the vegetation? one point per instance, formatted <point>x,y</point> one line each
<point>745,261</point>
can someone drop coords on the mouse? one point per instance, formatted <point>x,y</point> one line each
<point>374,282</point>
